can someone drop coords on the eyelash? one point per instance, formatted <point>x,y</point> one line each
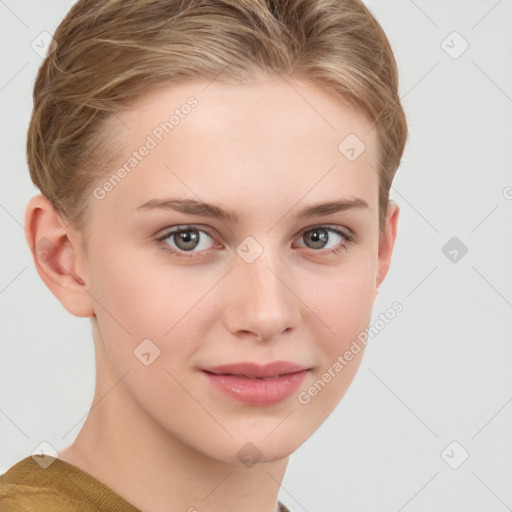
<point>349,240</point>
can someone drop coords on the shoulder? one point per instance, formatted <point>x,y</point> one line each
<point>28,486</point>
<point>49,484</point>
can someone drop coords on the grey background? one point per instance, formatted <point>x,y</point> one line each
<point>439,372</point>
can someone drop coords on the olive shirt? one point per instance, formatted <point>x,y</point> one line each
<point>57,486</point>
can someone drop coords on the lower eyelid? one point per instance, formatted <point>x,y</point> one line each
<point>348,238</point>
<point>169,234</point>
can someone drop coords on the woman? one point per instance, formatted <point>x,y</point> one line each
<point>214,181</point>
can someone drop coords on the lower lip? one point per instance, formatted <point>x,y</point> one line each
<point>258,392</point>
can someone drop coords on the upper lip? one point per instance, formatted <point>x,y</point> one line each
<point>256,370</point>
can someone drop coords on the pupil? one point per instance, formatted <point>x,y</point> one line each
<point>319,236</point>
<point>188,239</point>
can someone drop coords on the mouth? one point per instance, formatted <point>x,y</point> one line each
<point>249,377</point>
<point>256,385</point>
<point>251,370</point>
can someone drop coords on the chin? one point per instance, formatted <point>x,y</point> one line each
<point>257,445</point>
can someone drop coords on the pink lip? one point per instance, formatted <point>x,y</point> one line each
<point>246,382</point>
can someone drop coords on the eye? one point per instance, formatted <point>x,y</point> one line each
<point>184,239</point>
<point>319,237</point>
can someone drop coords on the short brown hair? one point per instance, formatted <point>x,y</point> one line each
<point>109,53</point>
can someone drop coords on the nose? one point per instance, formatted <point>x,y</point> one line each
<point>261,299</point>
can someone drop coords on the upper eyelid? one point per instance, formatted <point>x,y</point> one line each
<point>346,232</point>
<point>164,233</point>
<point>206,229</point>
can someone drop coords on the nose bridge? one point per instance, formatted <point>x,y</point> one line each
<point>263,303</point>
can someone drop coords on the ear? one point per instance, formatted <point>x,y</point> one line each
<point>56,250</point>
<point>387,243</point>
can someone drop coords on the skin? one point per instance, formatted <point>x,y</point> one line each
<point>160,435</point>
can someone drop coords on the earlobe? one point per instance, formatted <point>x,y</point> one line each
<point>56,256</point>
<point>387,243</point>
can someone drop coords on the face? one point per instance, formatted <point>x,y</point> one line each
<point>179,292</point>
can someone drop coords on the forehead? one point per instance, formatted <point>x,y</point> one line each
<point>267,106</point>
<point>272,139</point>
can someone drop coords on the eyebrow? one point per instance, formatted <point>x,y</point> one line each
<point>230,216</point>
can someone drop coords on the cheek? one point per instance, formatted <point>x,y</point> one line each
<point>138,300</point>
<point>126,300</point>
<point>344,305</point>
<point>132,290</point>
<point>344,301</point>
